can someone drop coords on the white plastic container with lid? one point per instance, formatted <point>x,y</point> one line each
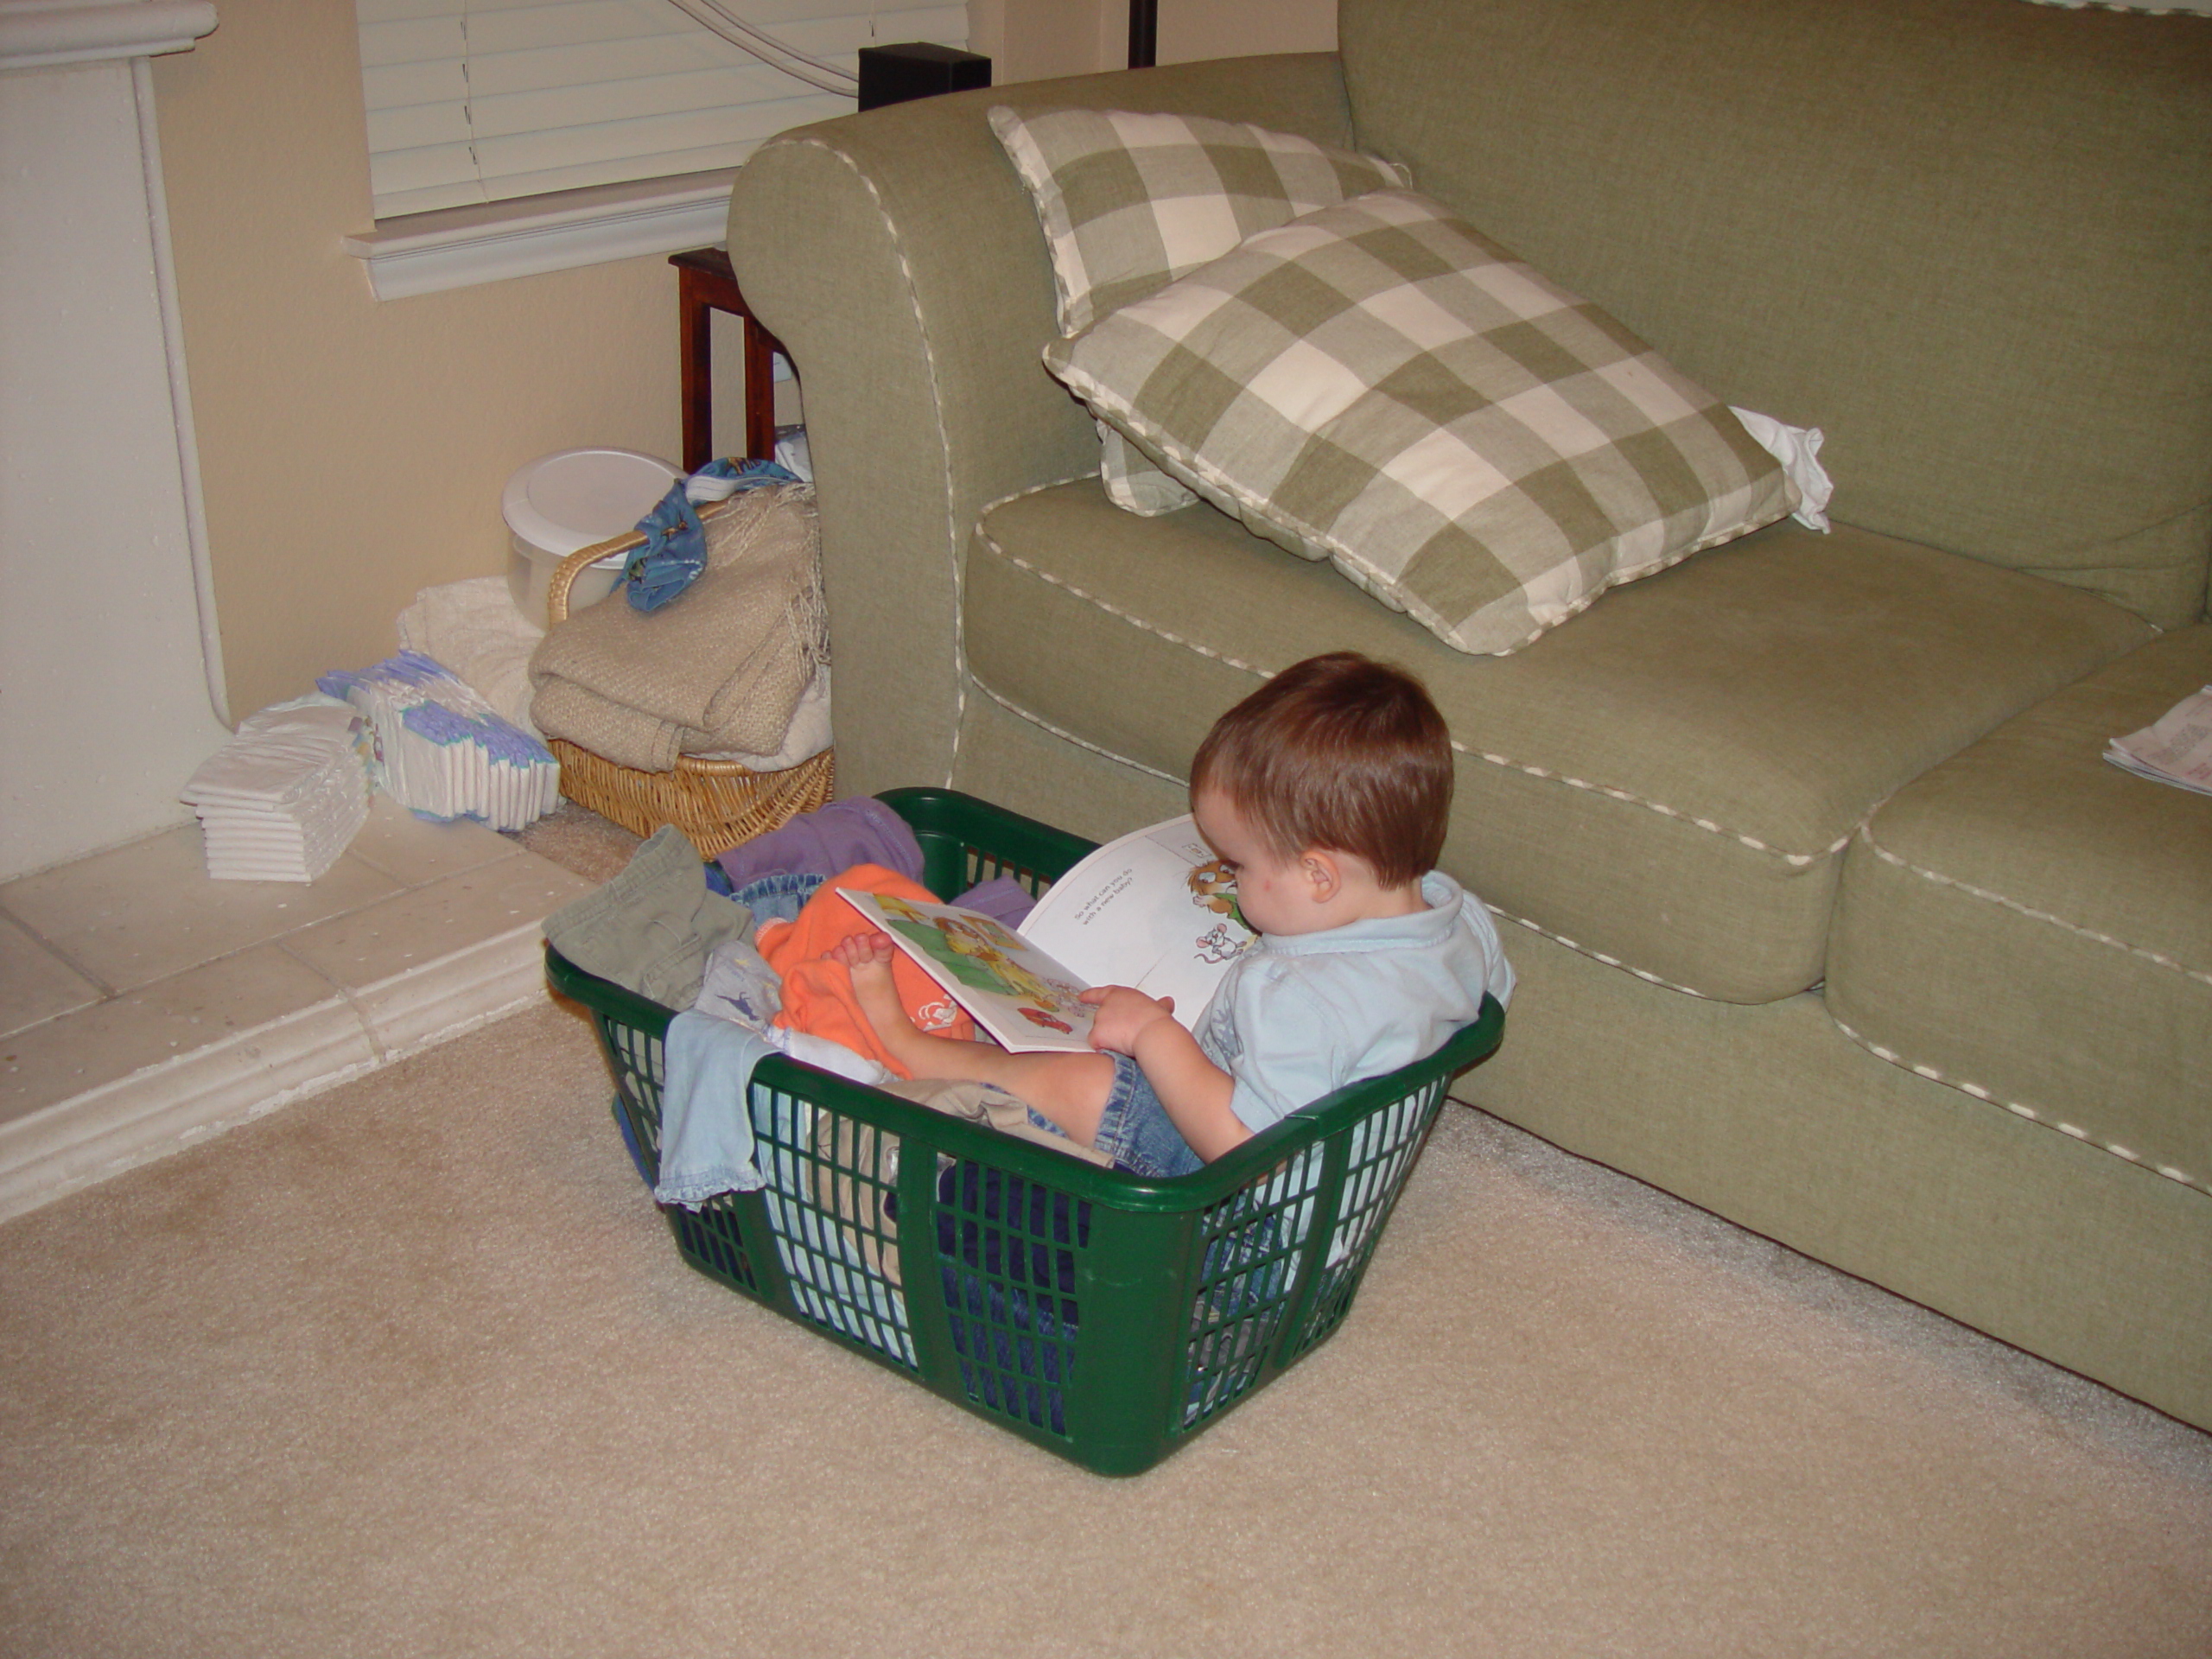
<point>560,503</point>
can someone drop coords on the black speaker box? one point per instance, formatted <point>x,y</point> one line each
<point>891,74</point>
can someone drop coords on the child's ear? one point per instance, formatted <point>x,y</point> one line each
<point>1322,871</point>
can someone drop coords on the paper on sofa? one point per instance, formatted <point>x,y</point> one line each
<point>2176,748</point>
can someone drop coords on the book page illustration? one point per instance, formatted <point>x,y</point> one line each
<point>1156,909</point>
<point>1018,995</point>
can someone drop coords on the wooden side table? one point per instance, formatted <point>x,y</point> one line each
<point>706,283</point>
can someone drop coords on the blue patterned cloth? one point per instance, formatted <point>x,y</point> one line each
<point>675,550</point>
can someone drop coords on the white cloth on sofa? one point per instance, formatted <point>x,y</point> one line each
<point>1794,446</point>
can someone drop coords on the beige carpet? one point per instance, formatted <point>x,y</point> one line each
<point>578,839</point>
<point>412,1368</point>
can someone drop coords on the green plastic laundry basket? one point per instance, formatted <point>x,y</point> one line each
<point>1103,1316</point>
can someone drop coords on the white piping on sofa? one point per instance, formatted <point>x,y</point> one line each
<point>1795,860</point>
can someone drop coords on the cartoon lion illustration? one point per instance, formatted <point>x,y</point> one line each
<point>1213,887</point>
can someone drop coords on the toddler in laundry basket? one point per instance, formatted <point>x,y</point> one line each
<point>1328,790</point>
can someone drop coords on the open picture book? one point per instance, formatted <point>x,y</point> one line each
<point>1155,910</point>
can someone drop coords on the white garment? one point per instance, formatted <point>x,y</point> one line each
<point>1794,446</point>
<point>473,628</point>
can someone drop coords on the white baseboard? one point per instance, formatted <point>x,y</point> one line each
<point>163,1109</point>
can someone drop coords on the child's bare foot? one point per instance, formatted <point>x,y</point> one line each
<point>1069,1089</point>
<point>868,957</point>
<point>863,952</point>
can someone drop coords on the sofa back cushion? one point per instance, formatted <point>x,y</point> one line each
<point>1966,238</point>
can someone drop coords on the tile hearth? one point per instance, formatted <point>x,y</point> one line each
<point>144,1005</point>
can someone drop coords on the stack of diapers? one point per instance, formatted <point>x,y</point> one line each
<point>283,797</point>
<point>443,753</point>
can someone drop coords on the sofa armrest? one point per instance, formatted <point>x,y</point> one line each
<point>897,257</point>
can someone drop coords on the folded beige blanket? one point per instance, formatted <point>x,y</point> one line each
<point>719,668</point>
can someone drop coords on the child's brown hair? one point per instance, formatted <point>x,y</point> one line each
<point>1341,753</point>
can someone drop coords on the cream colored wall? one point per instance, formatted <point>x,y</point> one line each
<point>1191,29</point>
<point>353,451</point>
<point>103,707</point>
<point>1036,40</point>
<point>1033,40</point>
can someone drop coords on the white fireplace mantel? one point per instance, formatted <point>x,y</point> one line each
<point>111,676</point>
<point>38,33</point>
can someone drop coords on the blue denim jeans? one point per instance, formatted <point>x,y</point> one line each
<point>775,898</point>
<point>1136,1131</point>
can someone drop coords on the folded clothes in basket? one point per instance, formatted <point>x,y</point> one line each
<point>807,736</point>
<point>858,830</point>
<point>720,669</point>
<point>652,929</point>
<point>675,549</point>
<point>706,1129</point>
<point>709,1133</point>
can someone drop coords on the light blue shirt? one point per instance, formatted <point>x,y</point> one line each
<point>1298,1016</point>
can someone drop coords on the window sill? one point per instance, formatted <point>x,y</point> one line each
<point>458,247</point>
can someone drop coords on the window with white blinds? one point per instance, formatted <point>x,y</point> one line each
<point>486,100</point>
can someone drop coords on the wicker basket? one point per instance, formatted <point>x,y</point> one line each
<point>717,804</point>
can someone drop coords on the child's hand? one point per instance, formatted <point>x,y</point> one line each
<point>1123,1015</point>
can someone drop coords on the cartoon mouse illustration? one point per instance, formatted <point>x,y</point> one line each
<point>1217,946</point>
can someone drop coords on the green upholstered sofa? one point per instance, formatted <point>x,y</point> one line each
<point>1828,914</point>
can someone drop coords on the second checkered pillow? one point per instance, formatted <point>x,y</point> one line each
<point>1130,202</point>
<point>1376,385</point>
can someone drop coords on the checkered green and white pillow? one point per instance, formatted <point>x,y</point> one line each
<point>1131,202</point>
<point>1377,385</point>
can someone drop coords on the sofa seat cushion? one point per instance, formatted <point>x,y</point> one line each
<point>2035,925</point>
<point>1669,781</point>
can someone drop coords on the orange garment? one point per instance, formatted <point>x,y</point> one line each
<point>818,995</point>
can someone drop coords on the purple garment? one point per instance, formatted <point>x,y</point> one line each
<point>1002,899</point>
<point>860,830</point>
